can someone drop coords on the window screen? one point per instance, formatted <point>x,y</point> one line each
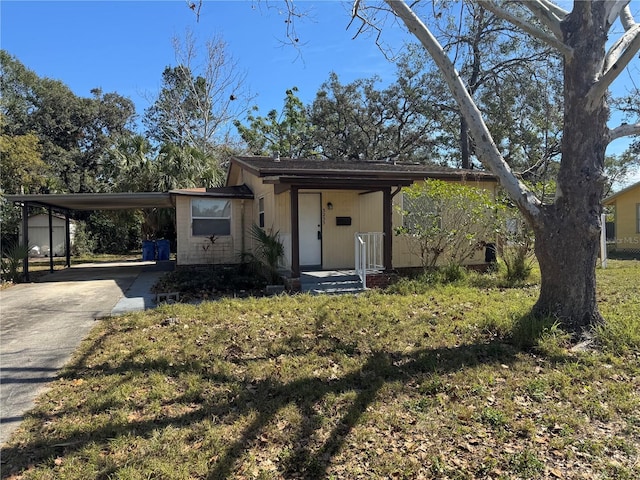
<point>261,212</point>
<point>210,216</point>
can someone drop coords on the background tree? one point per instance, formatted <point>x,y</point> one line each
<point>288,133</point>
<point>620,167</point>
<point>198,99</point>
<point>22,169</point>
<point>357,121</point>
<point>75,134</point>
<point>512,81</point>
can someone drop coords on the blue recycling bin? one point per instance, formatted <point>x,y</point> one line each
<point>163,249</point>
<point>148,250</point>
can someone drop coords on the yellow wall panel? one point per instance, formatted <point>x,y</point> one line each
<point>626,220</point>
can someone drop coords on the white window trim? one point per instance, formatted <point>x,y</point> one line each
<point>261,215</point>
<point>211,218</point>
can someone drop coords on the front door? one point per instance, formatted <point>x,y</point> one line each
<point>309,221</point>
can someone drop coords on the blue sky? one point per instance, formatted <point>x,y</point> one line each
<point>123,46</point>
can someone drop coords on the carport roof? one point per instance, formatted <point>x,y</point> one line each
<point>96,201</point>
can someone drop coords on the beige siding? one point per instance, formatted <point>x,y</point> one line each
<point>197,250</point>
<point>626,220</point>
<point>337,240</point>
<point>365,210</point>
<point>371,212</point>
<point>279,214</point>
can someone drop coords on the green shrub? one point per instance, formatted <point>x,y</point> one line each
<point>12,259</point>
<point>269,251</point>
<point>83,241</point>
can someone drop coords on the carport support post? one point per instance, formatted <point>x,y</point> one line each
<point>387,226</point>
<point>295,234</point>
<point>25,240</point>
<point>50,241</point>
<point>67,234</point>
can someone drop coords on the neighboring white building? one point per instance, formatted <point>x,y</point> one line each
<point>39,235</point>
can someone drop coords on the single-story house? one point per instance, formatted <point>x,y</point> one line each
<point>39,238</point>
<point>317,206</point>
<point>627,217</point>
<point>328,215</point>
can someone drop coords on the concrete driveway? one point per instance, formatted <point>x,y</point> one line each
<point>43,323</point>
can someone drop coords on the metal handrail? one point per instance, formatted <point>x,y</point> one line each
<point>368,253</point>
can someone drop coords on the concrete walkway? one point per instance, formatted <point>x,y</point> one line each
<point>43,323</point>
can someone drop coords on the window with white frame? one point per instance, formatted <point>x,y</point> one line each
<point>261,212</point>
<point>210,216</point>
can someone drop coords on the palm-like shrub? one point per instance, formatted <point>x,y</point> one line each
<point>12,258</point>
<point>269,251</point>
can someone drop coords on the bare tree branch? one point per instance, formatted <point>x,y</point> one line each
<point>626,18</point>
<point>614,9</point>
<point>558,11</point>
<point>530,29</point>
<point>547,14</point>
<point>617,59</point>
<point>485,147</point>
<point>618,48</point>
<point>624,130</point>
<point>196,7</point>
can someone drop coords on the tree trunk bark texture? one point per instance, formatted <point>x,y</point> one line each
<point>567,232</point>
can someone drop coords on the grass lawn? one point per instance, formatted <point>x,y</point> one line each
<point>439,384</point>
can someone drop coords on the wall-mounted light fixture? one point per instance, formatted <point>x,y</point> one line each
<point>330,206</point>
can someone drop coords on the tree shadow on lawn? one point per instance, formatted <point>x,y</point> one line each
<point>264,398</point>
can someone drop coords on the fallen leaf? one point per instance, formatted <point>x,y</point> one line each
<point>555,472</point>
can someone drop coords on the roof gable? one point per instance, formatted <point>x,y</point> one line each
<point>610,199</point>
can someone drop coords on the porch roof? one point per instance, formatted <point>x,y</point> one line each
<point>342,174</point>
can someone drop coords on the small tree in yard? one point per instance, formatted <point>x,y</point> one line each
<point>516,249</point>
<point>447,222</point>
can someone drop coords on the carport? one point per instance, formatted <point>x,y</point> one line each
<point>67,202</point>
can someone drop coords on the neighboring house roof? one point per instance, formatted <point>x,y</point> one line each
<point>235,191</point>
<point>610,200</point>
<point>333,170</point>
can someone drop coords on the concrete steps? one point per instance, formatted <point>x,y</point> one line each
<point>334,282</point>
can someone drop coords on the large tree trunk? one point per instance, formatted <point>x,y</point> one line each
<point>567,249</point>
<point>568,232</point>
